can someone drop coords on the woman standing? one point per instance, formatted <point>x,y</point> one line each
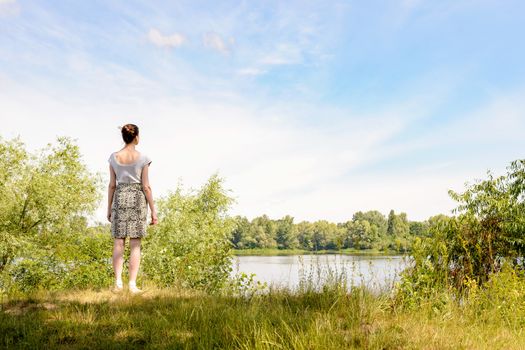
<point>129,194</point>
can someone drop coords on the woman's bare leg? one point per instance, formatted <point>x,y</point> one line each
<point>134,259</point>
<point>118,257</point>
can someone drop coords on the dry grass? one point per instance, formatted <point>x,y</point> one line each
<point>171,318</point>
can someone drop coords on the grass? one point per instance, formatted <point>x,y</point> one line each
<point>310,317</point>
<point>275,251</point>
<point>280,319</point>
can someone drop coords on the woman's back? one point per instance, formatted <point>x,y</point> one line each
<point>129,172</point>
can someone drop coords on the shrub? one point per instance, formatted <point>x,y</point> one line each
<point>190,246</point>
<point>463,251</point>
<point>44,198</point>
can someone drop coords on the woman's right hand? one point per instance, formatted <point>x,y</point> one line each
<point>154,219</point>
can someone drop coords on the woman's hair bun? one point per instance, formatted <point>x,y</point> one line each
<point>129,132</point>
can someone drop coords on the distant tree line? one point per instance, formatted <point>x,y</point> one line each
<point>366,230</point>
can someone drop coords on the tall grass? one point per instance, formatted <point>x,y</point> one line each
<point>310,317</point>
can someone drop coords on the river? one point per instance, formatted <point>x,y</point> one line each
<point>376,272</point>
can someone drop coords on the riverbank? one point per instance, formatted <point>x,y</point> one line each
<point>171,318</point>
<point>275,251</point>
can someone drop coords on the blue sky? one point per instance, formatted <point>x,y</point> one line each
<point>315,109</point>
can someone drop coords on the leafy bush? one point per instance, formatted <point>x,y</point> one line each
<point>502,298</point>
<point>44,198</point>
<point>463,251</point>
<point>190,246</point>
<point>244,285</point>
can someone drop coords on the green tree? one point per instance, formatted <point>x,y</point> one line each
<point>466,249</point>
<point>44,199</point>
<point>374,218</point>
<point>347,231</point>
<point>240,232</point>
<point>263,231</point>
<point>324,235</point>
<point>391,222</point>
<point>417,228</point>
<point>305,234</point>
<point>363,234</point>
<point>286,233</point>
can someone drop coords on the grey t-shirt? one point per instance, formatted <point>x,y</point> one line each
<point>129,173</point>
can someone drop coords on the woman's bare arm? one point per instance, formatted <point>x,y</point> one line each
<point>111,190</point>
<point>149,195</point>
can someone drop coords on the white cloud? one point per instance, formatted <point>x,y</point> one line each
<point>268,158</point>
<point>214,41</point>
<point>251,71</point>
<point>273,161</point>
<point>173,40</point>
<point>283,54</point>
<point>9,8</point>
<point>499,121</point>
<point>501,118</point>
<point>420,197</point>
<point>410,4</point>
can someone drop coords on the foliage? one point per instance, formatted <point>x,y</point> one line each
<point>244,285</point>
<point>465,250</point>
<point>286,233</point>
<point>502,296</point>
<point>367,230</point>
<point>44,198</point>
<point>190,245</point>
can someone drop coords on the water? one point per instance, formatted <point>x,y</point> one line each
<point>377,272</point>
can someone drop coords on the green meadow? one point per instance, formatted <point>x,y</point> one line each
<point>183,319</point>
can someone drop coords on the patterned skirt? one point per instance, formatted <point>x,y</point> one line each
<point>129,211</point>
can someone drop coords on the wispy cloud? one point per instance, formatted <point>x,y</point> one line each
<point>9,8</point>
<point>251,71</point>
<point>499,120</point>
<point>214,41</point>
<point>283,54</point>
<point>172,40</point>
<point>410,4</point>
<point>273,163</point>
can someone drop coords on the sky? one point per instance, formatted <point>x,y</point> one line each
<point>314,109</point>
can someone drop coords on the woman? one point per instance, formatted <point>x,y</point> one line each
<point>129,193</point>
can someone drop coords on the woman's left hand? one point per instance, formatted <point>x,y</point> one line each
<point>154,220</point>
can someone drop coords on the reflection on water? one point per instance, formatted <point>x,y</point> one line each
<point>377,272</point>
